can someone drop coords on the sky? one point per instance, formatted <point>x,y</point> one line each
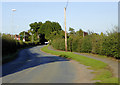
<point>94,16</point>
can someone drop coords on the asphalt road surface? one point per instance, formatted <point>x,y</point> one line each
<point>34,66</point>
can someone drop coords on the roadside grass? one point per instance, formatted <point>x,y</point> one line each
<point>101,69</point>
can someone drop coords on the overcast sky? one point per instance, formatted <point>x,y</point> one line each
<point>94,16</point>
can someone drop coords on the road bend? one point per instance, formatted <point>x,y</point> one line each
<point>34,66</point>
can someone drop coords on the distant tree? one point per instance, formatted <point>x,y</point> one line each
<point>90,32</point>
<point>48,28</point>
<point>35,26</point>
<point>27,35</point>
<point>101,34</point>
<point>79,33</point>
<point>56,26</point>
<point>72,31</point>
<point>44,31</point>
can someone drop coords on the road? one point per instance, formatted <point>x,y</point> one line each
<point>34,66</point>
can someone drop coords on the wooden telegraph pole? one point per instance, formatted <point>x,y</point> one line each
<point>65,30</point>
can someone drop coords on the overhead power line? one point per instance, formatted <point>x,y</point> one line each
<point>66,4</point>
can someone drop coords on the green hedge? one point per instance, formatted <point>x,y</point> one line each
<point>58,43</point>
<point>98,44</point>
<point>86,45</point>
<point>9,45</point>
<point>110,45</point>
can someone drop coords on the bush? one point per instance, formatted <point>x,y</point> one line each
<point>86,45</point>
<point>104,44</point>
<point>75,43</point>
<point>110,45</point>
<point>58,43</point>
<point>9,45</point>
<point>96,43</point>
<point>79,49</point>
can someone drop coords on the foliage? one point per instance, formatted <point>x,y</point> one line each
<point>25,35</point>
<point>79,33</point>
<point>103,44</point>
<point>86,44</point>
<point>59,43</point>
<point>72,31</point>
<point>11,46</point>
<point>44,31</point>
<point>110,45</point>
<point>75,42</point>
<point>48,28</point>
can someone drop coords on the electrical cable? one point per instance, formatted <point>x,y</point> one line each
<point>67,4</point>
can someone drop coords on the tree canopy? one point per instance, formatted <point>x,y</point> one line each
<point>44,31</point>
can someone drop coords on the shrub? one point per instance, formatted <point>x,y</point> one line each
<point>59,43</point>
<point>96,43</point>
<point>79,49</point>
<point>110,45</point>
<point>9,45</point>
<point>75,43</point>
<point>86,45</point>
<point>104,44</point>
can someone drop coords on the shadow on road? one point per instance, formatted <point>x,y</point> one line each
<point>26,60</point>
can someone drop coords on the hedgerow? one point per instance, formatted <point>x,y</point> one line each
<point>10,45</point>
<point>103,44</point>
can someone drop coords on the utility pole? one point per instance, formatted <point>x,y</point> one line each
<point>65,30</point>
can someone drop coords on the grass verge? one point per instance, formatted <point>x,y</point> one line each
<point>101,69</point>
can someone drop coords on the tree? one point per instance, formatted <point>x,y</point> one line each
<point>48,28</point>
<point>72,31</point>
<point>79,33</point>
<point>27,35</point>
<point>45,31</point>
<point>34,27</point>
